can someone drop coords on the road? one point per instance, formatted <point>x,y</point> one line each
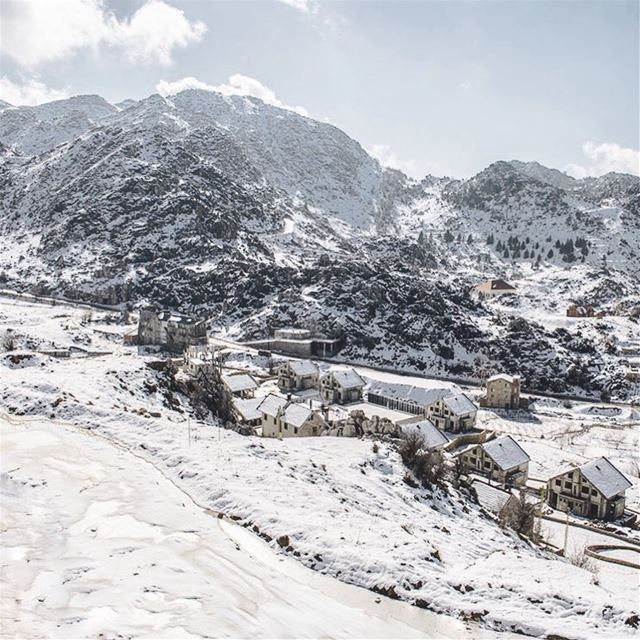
<point>113,547</point>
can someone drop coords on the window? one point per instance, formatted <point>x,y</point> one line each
<point>295,430</point>
<point>594,492</point>
<point>487,464</point>
<point>557,482</point>
<point>567,484</point>
<point>585,490</point>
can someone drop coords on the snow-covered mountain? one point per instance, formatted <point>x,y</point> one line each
<point>259,216</point>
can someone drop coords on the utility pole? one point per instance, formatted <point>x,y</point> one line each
<point>566,533</point>
<point>189,429</point>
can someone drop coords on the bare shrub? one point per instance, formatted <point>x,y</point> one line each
<point>9,341</point>
<point>427,466</point>
<point>520,516</point>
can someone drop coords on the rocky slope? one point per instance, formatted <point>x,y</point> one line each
<point>258,216</point>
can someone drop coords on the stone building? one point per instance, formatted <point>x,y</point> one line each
<point>405,397</point>
<point>284,419</point>
<point>503,392</point>
<point>241,385</point>
<point>593,490</point>
<point>341,386</point>
<point>173,331</point>
<point>453,413</point>
<point>501,503</point>
<point>432,437</point>
<point>496,287</point>
<point>502,460</point>
<point>297,375</point>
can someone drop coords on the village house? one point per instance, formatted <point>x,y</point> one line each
<point>241,385</point>
<point>502,460</point>
<point>433,438</point>
<point>501,503</point>
<point>297,375</point>
<point>247,411</point>
<point>503,392</point>
<point>593,490</point>
<point>300,343</point>
<point>341,386</point>
<point>580,311</point>
<point>632,371</point>
<point>284,419</point>
<point>495,287</point>
<point>169,330</point>
<point>405,397</point>
<point>453,413</point>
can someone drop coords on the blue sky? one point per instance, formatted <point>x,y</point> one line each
<point>430,87</point>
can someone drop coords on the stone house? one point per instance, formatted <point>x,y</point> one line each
<point>297,375</point>
<point>453,413</point>
<point>241,385</point>
<point>434,439</point>
<point>283,419</point>
<point>405,397</point>
<point>593,490</point>
<point>496,287</point>
<point>502,460</point>
<point>580,311</point>
<point>247,411</point>
<point>341,386</point>
<point>501,503</point>
<point>503,392</point>
<point>173,331</point>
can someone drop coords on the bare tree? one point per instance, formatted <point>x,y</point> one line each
<point>9,341</point>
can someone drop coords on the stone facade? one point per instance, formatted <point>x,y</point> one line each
<point>503,392</point>
<point>175,332</point>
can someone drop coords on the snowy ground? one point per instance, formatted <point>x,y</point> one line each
<point>346,510</point>
<point>97,543</point>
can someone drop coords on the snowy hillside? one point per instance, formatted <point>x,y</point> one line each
<point>336,505</point>
<point>258,216</point>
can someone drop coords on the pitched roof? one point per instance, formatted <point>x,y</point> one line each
<point>459,404</point>
<point>347,378</point>
<point>500,284</point>
<point>398,391</point>
<point>297,414</point>
<point>303,367</point>
<point>271,404</point>
<point>490,498</point>
<point>505,452</point>
<point>240,382</point>
<point>503,376</point>
<point>433,437</point>
<point>605,477</point>
<point>248,408</point>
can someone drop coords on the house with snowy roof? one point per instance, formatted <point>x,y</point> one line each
<point>503,392</point>
<point>341,386</point>
<point>404,397</point>
<point>247,411</point>
<point>494,500</point>
<point>433,438</point>
<point>502,460</point>
<point>495,287</point>
<point>297,375</point>
<point>593,490</point>
<point>241,385</point>
<point>452,413</point>
<point>284,419</point>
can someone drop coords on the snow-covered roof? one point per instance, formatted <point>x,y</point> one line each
<point>501,285</point>
<point>433,437</point>
<point>490,498</point>
<point>503,376</point>
<point>240,382</point>
<point>297,414</point>
<point>271,404</point>
<point>459,404</point>
<point>169,316</point>
<point>347,378</point>
<point>605,477</point>
<point>419,395</point>
<point>303,367</point>
<point>248,408</point>
<point>505,452</point>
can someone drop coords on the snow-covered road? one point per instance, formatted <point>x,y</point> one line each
<point>97,541</point>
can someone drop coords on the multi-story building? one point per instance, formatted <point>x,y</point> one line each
<point>173,331</point>
<point>503,392</point>
<point>341,386</point>
<point>453,413</point>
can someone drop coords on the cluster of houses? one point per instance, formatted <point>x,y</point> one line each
<point>442,417</point>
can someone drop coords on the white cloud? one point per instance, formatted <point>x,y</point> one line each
<point>388,158</point>
<point>36,32</point>
<point>306,6</point>
<point>606,157</point>
<point>237,85</point>
<point>30,92</point>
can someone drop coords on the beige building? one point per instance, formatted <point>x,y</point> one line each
<point>594,490</point>
<point>173,331</point>
<point>496,287</point>
<point>502,460</point>
<point>297,375</point>
<point>503,392</point>
<point>283,419</point>
<point>501,503</point>
<point>241,385</point>
<point>453,413</point>
<point>432,437</point>
<point>341,386</point>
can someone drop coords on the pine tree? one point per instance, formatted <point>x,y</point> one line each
<point>550,254</point>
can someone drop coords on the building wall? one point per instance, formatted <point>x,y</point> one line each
<point>503,394</point>
<point>291,382</point>
<point>332,392</point>
<point>397,404</point>
<point>572,492</point>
